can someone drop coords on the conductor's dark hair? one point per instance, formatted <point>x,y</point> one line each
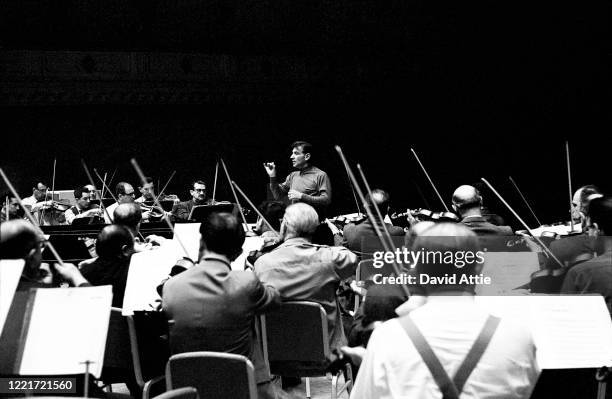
<point>78,192</point>
<point>223,233</point>
<point>600,212</point>
<point>306,147</point>
<point>121,187</point>
<point>111,241</point>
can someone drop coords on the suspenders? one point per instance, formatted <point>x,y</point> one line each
<point>450,388</point>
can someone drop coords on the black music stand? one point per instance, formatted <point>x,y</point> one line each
<point>200,213</point>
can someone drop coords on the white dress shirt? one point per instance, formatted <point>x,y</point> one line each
<point>392,367</point>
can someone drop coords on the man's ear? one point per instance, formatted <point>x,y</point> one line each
<point>455,208</point>
<point>307,156</point>
<point>126,251</point>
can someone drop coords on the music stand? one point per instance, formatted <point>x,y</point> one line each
<point>200,213</point>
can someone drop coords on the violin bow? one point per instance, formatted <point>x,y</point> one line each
<point>143,180</point>
<point>420,192</point>
<point>42,211</point>
<point>215,182</point>
<point>93,183</point>
<point>6,209</point>
<point>524,200</point>
<point>544,247</point>
<point>569,183</point>
<point>254,207</point>
<point>429,178</point>
<point>376,208</point>
<point>103,186</point>
<point>30,217</point>
<point>371,217</point>
<point>161,193</point>
<point>234,194</point>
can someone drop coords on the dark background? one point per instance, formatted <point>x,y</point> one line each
<point>479,90</point>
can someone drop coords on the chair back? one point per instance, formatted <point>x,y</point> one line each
<point>179,393</point>
<point>117,353</point>
<point>366,270</point>
<point>213,374</point>
<point>297,339</point>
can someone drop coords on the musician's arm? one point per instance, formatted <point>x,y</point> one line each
<point>70,216</point>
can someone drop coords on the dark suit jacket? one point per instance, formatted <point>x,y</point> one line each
<point>480,226</point>
<point>103,272</point>
<point>214,308</point>
<point>182,210</point>
<point>354,233</point>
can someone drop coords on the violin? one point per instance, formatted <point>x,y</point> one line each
<point>343,220</point>
<point>61,206</point>
<point>421,215</point>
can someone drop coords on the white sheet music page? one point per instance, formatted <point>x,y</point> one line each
<point>189,234</point>
<point>10,272</point>
<point>147,270</point>
<point>67,327</point>
<point>570,331</point>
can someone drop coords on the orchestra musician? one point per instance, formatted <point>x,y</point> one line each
<point>19,240</point>
<point>11,210</point>
<point>595,275</point>
<point>354,233</point>
<point>146,192</point>
<point>307,184</point>
<point>83,208</point>
<point>467,202</point>
<point>124,192</point>
<point>38,195</point>
<point>129,215</point>
<point>182,210</point>
<point>574,249</point>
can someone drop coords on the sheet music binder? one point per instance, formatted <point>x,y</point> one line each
<point>29,342</point>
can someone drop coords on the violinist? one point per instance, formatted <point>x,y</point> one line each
<point>595,275</point>
<point>147,202</point>
<point>19,240</point>
<point>124,192</point>
<point>467,202</point>
<point>354,233</point>
<point>307,184</point>
<point>38,195</point>
<point>83,208</point>
<point>11,210</point>
<point>574,249</point>
<point>182,210</point>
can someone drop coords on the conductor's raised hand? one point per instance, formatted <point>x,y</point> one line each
<point>270,168</point>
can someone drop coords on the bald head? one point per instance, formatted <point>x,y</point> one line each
<point>128,215</point>
<point>114,242</point>
<point>467,199</point>
<point>17,239</point>
<point>381,199</point>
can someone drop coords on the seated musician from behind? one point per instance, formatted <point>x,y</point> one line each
<point>467,202</point>
<point>83,208</point>
<point>20,240</point>
<point>114,247</point>
<point>182,210</point>
<point>303,271</point>
<point>129,215</point>
<point>595,275</point>
<point>354,233</point>
<point>450,321</point>
<point>213,306</point>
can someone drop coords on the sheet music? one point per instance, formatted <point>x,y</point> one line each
<point>570,331</point>
<point>10,272</point>
<point>189,234</point>
<point>67,327</point>
<point>508,270</point>
<point>147,270</point>
<point>250,244</point>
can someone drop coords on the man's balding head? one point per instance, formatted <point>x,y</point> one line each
<point>17,239</point>
<point>114,242</point>
<point>128,215</point>
<point>381,199</point>
<point>467,199</point>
